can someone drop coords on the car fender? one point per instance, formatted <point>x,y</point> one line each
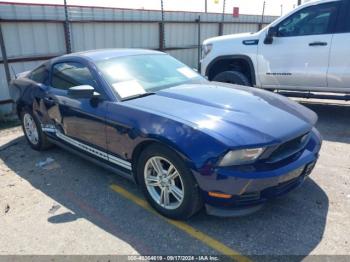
<point>237,46</point>
<point>246,58</point>
<point>142,125</point>
<point>200,154</point>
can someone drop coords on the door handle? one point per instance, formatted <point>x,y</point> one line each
<point>318,44</point>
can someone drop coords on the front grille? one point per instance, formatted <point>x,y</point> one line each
<point>288,148</point>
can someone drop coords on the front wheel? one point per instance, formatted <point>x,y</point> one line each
<point>232,77</point>
<point>167,183</point>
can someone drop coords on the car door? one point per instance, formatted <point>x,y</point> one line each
<point>339,66</point>
<point>298,56</point>
<point>79,122</point>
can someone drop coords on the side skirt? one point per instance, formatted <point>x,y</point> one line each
<point>117,171</point>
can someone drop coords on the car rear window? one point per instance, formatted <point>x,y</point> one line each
<point>40,75</point>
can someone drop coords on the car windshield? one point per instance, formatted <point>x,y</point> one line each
<point>137,75</point>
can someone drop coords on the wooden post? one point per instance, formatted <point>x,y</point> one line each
<point>162,29</point>
<point>66,29</point>
<point>198,20</point>
<point>4,57</point>
<point>262,16</point>
<point>161,36</point>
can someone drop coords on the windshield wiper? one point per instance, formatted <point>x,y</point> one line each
<point>138,96</point>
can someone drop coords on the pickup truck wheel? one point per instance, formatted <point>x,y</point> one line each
<point>232,77</point>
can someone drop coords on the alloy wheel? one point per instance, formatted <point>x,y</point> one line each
<point>30,129</point>
<point>164,182</point>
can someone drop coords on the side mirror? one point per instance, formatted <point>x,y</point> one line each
<point>271,33</point>
<point>83,91</point>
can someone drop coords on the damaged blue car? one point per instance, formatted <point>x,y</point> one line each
<point>187,142</point>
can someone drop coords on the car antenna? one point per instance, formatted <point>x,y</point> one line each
<point>13,71</point>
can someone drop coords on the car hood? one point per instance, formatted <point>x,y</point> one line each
<point>231,37</point>
<point>235,115</point>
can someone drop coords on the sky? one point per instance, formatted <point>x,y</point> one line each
<point>272,7</point>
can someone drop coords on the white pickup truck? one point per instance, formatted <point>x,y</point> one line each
<point>306,50</point>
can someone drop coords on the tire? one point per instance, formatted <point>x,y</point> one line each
<point>34,135</point>
<point>191,198</point>
<point>232,77</point>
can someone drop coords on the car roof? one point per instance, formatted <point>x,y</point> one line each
<point>102,54</point>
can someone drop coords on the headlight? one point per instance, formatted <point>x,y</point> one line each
<point>241,157</point>
<point>206,49</point>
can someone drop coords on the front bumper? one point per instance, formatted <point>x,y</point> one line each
<point>252,186</point>
<point>248,203</point>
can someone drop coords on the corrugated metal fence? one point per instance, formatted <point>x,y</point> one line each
<point>32,33</point>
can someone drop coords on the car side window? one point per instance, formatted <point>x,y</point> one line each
<point>313,20</point>
<point>346,20</point>
<point>40,74</point>
<point>69,74</point>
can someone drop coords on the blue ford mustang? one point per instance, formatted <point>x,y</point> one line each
<point>186,141</point>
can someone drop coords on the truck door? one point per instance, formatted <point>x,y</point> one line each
<point>339,65</point>
<point>298,56</point>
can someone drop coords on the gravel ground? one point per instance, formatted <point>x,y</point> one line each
<point>68,206</point>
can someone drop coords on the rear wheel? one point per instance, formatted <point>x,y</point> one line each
<point>167,183</point>
<point>33,132</point>
<point>232,77</point>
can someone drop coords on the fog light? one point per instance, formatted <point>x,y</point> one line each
<point>219,195</point>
